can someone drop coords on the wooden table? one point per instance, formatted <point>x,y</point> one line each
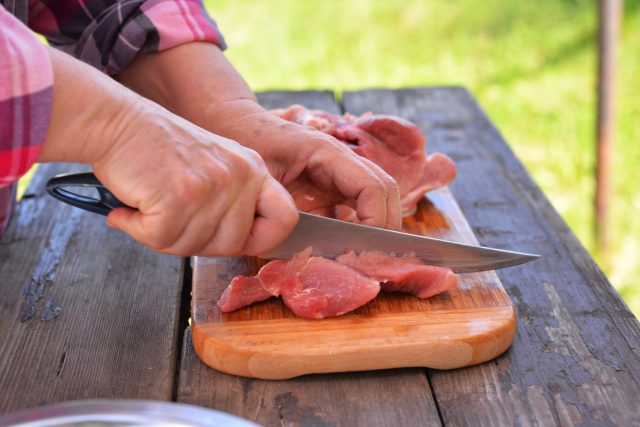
<point>122,327</point>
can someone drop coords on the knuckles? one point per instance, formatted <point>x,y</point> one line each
<point>227,249</point>
<point>254,159</point>
<point>187,188</point>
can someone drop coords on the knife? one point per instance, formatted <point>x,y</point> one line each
<point>327,236</point>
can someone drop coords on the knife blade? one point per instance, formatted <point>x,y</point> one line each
<point>328,237</point>
<point>331,237</point>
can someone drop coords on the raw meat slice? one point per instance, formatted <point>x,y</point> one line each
<point>446,171</point>
<point>242,291</point>
<point>401,273</point>
<point>312,287</point>
<point>325,288</point>
<point>278,276</point>
<point>318,119</point>
<point>315,287</point>
<point>394,144</point>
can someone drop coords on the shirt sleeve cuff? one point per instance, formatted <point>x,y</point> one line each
<point>113,38</point>
<point>179,22</point>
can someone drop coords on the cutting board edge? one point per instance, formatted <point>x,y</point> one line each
<point>222,354</point>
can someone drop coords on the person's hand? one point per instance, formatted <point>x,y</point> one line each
<point>195,193</point>
<point>318,170</point>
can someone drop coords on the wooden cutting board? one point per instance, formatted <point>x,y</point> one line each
<point>464,326</point>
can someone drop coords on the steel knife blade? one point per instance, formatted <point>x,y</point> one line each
<point>328,237</point>
<point>331,237</point>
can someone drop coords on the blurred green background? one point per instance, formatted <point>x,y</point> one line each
<point>531,64</point>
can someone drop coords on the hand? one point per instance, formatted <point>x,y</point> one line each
<point>318,170</point>
<point>195,193</point>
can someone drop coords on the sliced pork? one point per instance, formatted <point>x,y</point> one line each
<point>315,287</point>
<point>394,144</point>
<point>312,287</point>
<point>241,292</point>
<point>326,288</point>
<point>401,273</point>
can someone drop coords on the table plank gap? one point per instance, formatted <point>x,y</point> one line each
<point>184,314</point>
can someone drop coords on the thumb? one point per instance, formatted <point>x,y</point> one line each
<point>276,216</point>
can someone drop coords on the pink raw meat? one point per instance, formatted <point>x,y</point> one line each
<point>394,144</point>
<point>315,287</point>
<point>401,274</point>
<point>312,287</point>
<point>438,172</point>
<point>242,291</point>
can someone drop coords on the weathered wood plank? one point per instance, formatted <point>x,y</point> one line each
<point>374,398</point>
<point>395,397</point>
<point>115,335</point>
<point>575,359</point>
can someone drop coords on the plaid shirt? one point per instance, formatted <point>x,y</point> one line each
<point>107,34</point>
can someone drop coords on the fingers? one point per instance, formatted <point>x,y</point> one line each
<point>256,222</point>
<point>276,216</point>
<point>169,213</point>
<point>376,193</point>
<point>129,221</point>
<point>260,217</point>
<point>394,210</point>
<point>339,174</point>
<point>230,234</point>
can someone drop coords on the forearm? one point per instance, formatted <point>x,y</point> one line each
<point>87,112</point>
<point>197,82</point>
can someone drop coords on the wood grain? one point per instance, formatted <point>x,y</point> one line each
<point>115,332</point>
<point>391,397</point>
<point>575,358</point>
<point>375,398</point>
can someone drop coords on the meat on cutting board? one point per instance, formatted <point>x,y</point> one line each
<point>394,144</point>
<point>401,273</point>
<point>312,287</point>
<point>241,292</point>
<point>316,287</point>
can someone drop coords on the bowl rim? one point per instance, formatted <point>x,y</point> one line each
<point>132,411</point>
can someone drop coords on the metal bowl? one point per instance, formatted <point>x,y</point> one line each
<point>122,413</point>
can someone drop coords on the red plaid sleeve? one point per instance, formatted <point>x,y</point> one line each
<point>108,34</point>
<point>25,97</point>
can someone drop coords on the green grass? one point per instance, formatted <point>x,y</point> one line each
<point>531,65</point>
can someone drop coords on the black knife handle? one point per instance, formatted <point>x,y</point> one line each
<point>57,187</point>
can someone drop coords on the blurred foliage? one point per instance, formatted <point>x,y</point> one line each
<point>531,64</point>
